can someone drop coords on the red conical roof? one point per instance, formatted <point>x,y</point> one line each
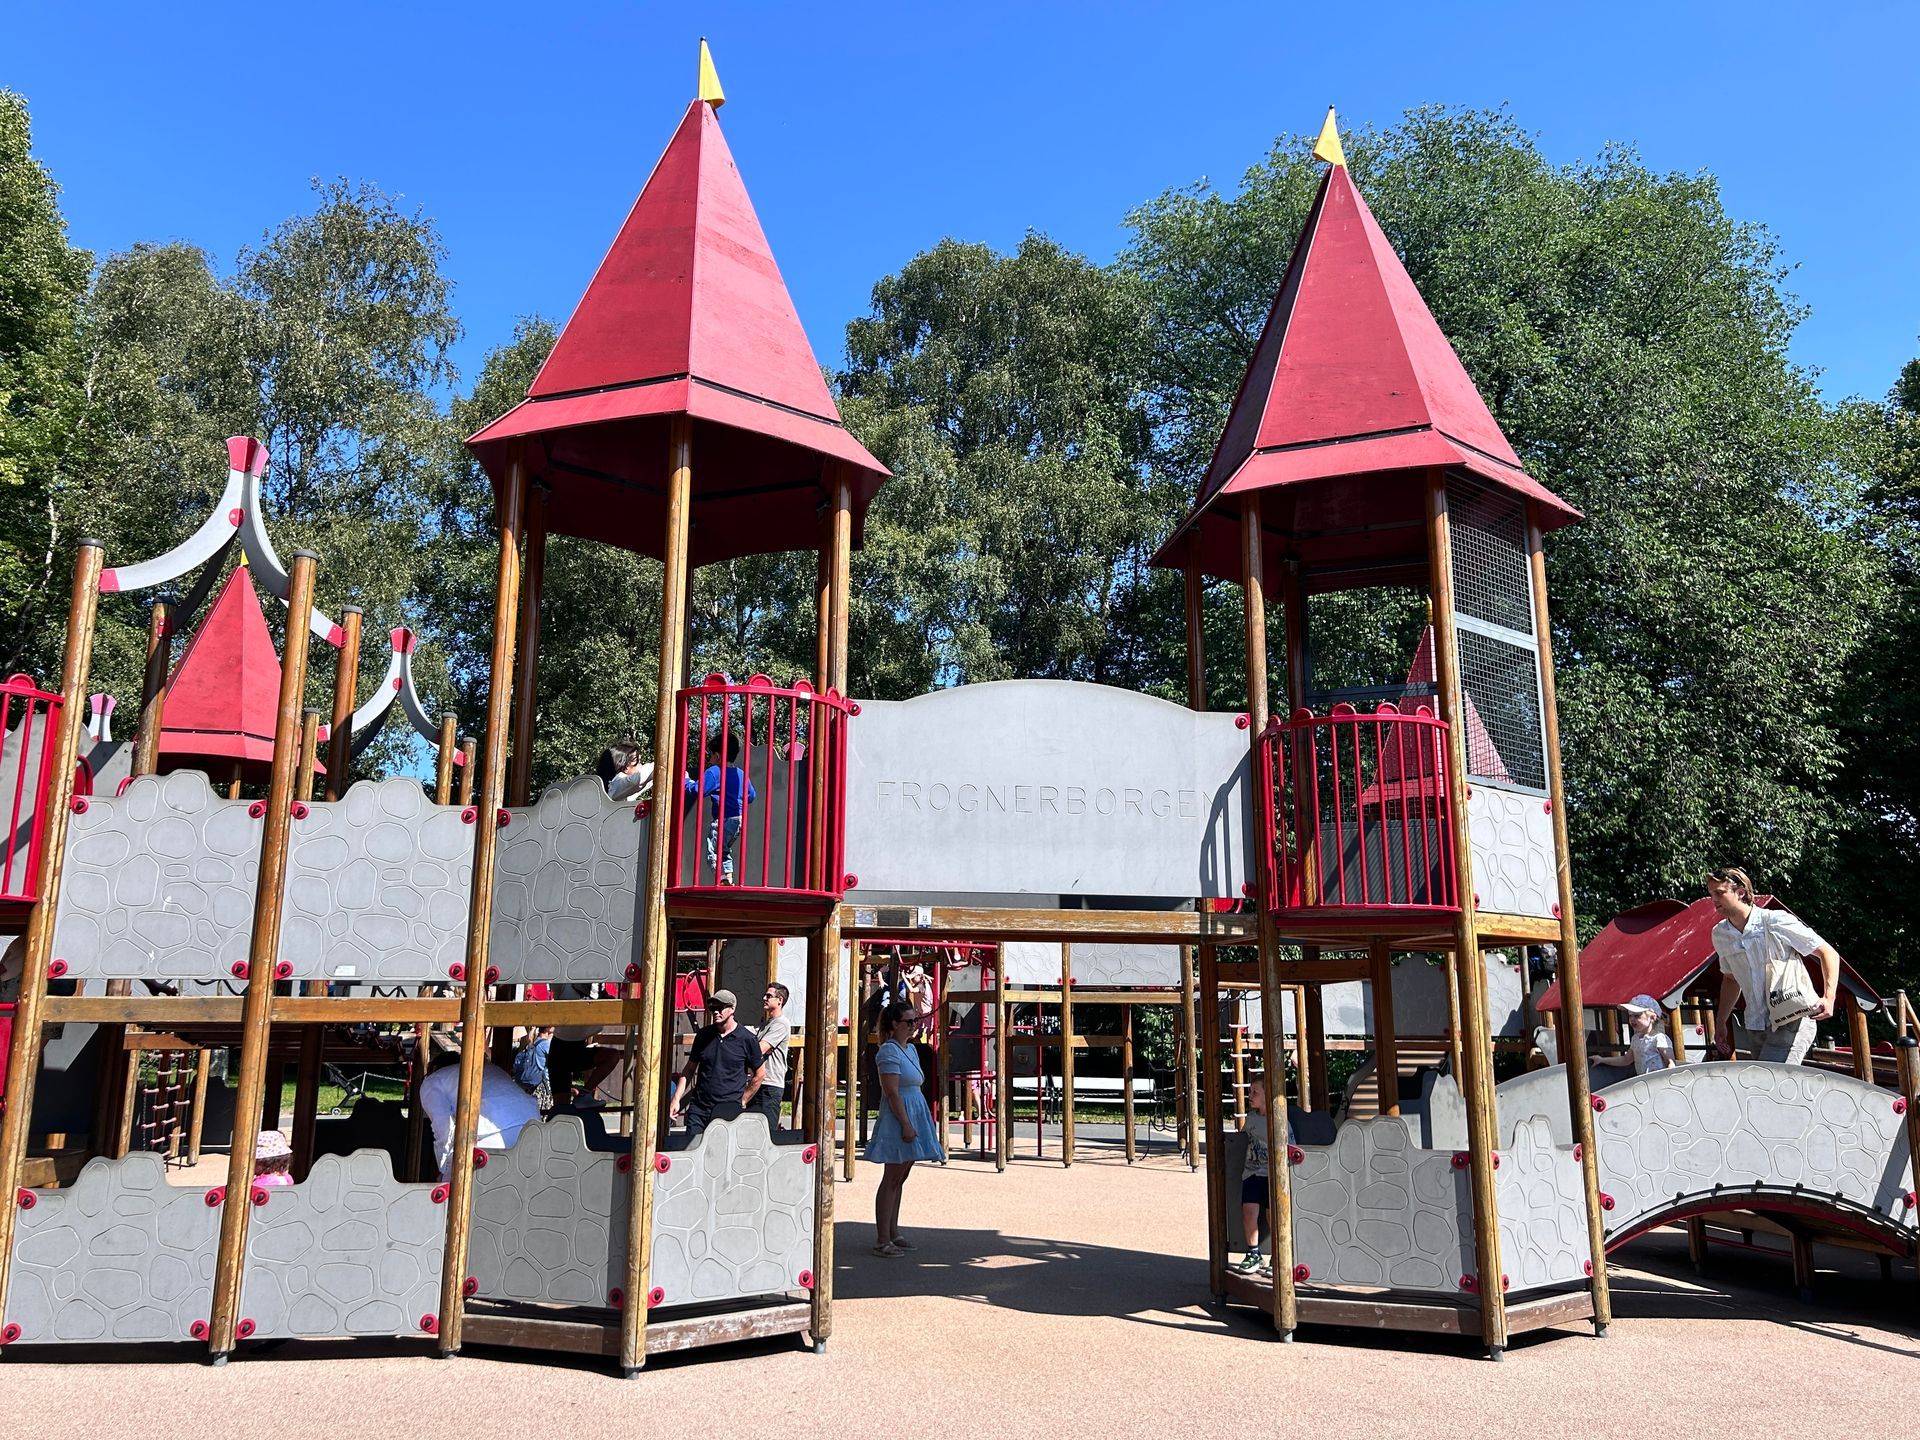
<point>224,696</point>
<point>687,315</point>
<point>1352,396</point>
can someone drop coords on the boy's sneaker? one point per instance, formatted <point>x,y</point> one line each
<point>1248,1264</point>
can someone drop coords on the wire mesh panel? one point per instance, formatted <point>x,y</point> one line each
<point>1499,653</point>
<point>1491,578</point>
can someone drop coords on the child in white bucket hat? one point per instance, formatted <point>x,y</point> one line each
<point>1647,1034</point>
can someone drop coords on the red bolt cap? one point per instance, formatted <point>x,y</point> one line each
<point>1295,1154</point>
<point>633,971</point>
<point>1503,1279</point>
<point>430,1324</point>
<point>662,1164</point>
<point>617,1298</point>
<point>244,1329</point>
<point>1586,1267</point>
<point>198,1330</point>
<point>56,968</point>
<point>1606,1201</point>
<point>1496,1159</point>
<point>1913,1197</point>
<point>1461,1159</point>
<point>853,707</point>
<point>282,969</point>
<point>643,810</point>
<point>299,809</point>
<point>469,1287</point>
<point>656,1296</point>
<point>1242,722</point>
<point>25,1198</point>
<point>479,1158</point>
<point>216,1197</point>
<point>1468,1283</point>
<point>806,1279</point>
<point>256,809</point>
<point>1301,1272</point>
<point>469,815</point>
<point>1556,909</point>
<point>10,1334</point>
<point>259,1195</point>
<point>1599,1102</point>
<point>623,1163</point>
<point>1899,1104</point>
<point>456,971</point>
<point>239,969</point>
<point>493,974</point>
<point>1546,806</point>
<point>850,882</point>
<point>502,818</point>
<point>1579,1152</point>
<point>809,1155</point>
<point>439,1195</point>
<point>79,803</point>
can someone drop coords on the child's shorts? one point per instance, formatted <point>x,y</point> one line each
<point>1254,1190</point>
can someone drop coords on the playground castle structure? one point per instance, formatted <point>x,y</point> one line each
<point>681,414</point>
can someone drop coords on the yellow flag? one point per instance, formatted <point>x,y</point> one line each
<point>1327,147</point>
<point>710,90</point>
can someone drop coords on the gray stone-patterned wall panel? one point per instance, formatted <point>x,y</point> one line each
<point>1750,1126</point>
<point>1542,1200</point>
<point>733,1217</point>
<point>568,887</point>
<point>1373,1209</point>
<point>159,883</point>
<point>1512,835</point>
<point>119,1256</point>
<point>348,1251</point>
<point>1095,966</point>
<point>377,887</point>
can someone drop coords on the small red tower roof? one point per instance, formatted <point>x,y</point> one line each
<point>687,315</point>
<point>224,696</point>
<point>1352,395</point>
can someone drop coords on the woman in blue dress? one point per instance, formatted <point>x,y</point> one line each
<point>904,1132</point>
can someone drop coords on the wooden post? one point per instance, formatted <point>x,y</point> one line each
<point>1303,1063</point>
<point>839,567</point>
<point>443,762</point>
<point>263,951</point>
<point>469,747</point>
<point>1906,1056</point>
<point>473,996</point>
<point>1190,1058</point>
<point>1066,1053</point>
<point>1240,1059</point>
<point>1455,1054</point>
<point>658,961</point>
<point>823,1022</point>
<point>1317,1038</point>
<point>1002,1087</point>
<point>1196,700</point>
<point>29,1024</point>
<point>1211,1118</point>
<point>1286,1310</point>
<point>526,680</point>
<point>153,689</point>
<point>856,1052</point>
<point>1858,1037</point>
<point>1677,1033</point>
<point>1126,1077</point>
<point>346,678</point>
<point>942,1119</point>
<point>202,1073</point>
<point>1477,1043</point>
<point>237,779</point>
<point>1386,1044</point>
<point>306,1087</point>
<point>1574,1043</point>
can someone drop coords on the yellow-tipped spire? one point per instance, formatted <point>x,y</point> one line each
<point>1326,148</point>
<point>710,90</point>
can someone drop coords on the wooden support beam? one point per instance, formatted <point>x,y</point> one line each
<point>511,507</point>
<point>1317,1044</point>
<point>1189,1030</point>
<point>1002,1081</point>
<point>1455,1054</point>
<point>1858,1037</point>
<point>1286,1310</point>
<point>202,1075</point>
<point>443,761</point>
<point>263,951</point>
<point>153,689</point>
<point>1386,1043</point>
<point>658,961</point>
<point>526,680</point>
<point>900,924</point>
<point>346,679</point>
<point>1477,1082</point>
<point>1574,1042</point>
<point>306,1090</point>
<point>1066,1053</point>
<point>470,747</point>
<point>1126,1079</point>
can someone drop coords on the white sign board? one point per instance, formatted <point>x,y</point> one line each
<point>1047,788</point>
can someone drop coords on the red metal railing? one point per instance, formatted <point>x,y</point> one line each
<point>29,721</point>
<point>1358,816</point>
<point>761,807</point>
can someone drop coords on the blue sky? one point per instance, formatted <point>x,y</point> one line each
<point>866,132</point>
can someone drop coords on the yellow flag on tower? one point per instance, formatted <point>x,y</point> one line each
<point>1327,147</point>
<point>710,90</point>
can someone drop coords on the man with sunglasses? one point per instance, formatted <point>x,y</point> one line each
<point>776,1033</point>
<point>723,1069</point>
<point>1763,957</point>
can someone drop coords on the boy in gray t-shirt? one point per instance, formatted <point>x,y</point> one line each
<point>775,1034</point>
<point>1254,1179</point>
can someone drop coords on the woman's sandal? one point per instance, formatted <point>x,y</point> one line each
<point>900,1242</point>
<point>889,1251</point>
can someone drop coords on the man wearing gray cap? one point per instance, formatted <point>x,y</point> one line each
<point>724,1067</point>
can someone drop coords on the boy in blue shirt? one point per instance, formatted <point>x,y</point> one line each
<point>728,792</point>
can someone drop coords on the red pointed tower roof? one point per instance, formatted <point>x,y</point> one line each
<point>1353,395</point>
<point>224,695</point>
<point>687,315</point>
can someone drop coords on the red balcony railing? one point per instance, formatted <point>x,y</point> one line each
<point>1358,819</point>
<point>29,726</point>
<point>761,807</point>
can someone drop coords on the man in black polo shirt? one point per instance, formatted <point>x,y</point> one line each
<point>724,1065</point>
